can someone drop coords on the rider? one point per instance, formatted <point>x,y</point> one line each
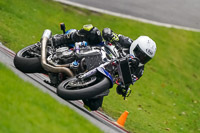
<point>142,50</point>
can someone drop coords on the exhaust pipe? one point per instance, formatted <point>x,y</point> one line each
<point>46,35</point>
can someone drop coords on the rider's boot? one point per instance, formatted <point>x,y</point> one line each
<point>93,104</point>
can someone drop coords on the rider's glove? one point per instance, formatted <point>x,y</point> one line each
<point>125,92</point>
<point>109,35</point>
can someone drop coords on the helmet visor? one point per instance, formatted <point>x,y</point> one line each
<point>139,53</point>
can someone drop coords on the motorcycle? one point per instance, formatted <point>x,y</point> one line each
<point>78,71</point>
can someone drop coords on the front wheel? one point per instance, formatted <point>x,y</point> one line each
<point>76,89</point>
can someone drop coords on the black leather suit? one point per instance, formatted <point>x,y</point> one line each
<point>93,36</point>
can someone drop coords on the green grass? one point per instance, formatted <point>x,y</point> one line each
<point>165,99</point>
<point>26,109</point>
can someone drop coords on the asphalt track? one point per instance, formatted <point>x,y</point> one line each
<point>101,120</point>
<point>182,14</point>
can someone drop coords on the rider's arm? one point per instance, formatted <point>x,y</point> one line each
<point>125,90</point>
<point>125,41</point>
<point>136,68</point>
<point>139,72</point>
<point>112,37</point>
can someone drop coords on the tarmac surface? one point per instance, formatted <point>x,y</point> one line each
<point>183,13</point>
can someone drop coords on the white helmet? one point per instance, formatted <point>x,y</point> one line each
<point>143,48</point>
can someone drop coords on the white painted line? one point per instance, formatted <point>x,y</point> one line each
<point>126,16</point>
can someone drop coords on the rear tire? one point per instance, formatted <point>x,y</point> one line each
<point>83,92</point>
<point>27,65</point>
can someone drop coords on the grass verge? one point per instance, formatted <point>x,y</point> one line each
<point>165,99</point>
<point>25,109</point>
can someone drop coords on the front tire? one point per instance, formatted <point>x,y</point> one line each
<point>82,92</point>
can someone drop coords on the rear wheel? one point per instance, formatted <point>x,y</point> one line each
<point>27,60</point>
<point>76,89</point>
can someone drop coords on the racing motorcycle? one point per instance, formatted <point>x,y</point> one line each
<point>78,71</point>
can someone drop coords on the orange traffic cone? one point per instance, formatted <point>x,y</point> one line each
<point>122,119</point>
